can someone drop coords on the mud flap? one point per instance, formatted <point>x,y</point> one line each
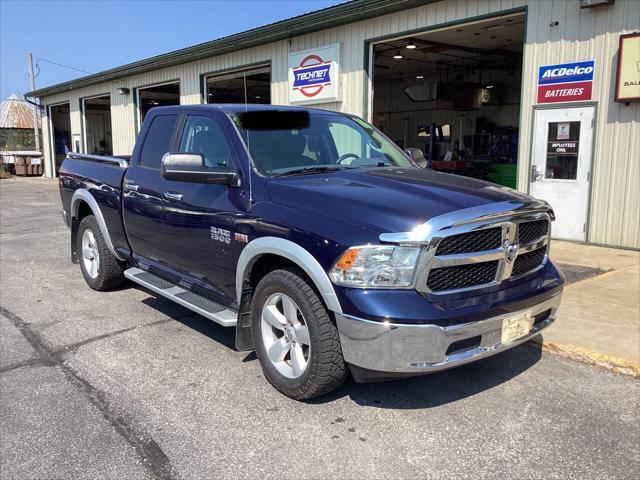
<point>244,333</point>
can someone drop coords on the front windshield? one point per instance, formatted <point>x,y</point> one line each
<point>326,142</point>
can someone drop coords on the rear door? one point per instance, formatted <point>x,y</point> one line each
<point>143,187</point>
<point>197,228</point>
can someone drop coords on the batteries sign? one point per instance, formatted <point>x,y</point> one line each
<point>567,82</point>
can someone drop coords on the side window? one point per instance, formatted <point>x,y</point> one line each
<point>157,141</point>
<point>203,135</point>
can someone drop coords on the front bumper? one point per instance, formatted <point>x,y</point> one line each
<point>416,349</point>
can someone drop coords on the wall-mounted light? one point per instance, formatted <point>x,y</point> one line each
<point>411,46</point>
<point>123,91</point>
<point>398,55</point>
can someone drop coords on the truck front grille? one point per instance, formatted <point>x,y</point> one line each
<point>531,231</point>
<point>487,239</point>
<point>462,276</point>
<point>528,261</point>
<point>476,258</point>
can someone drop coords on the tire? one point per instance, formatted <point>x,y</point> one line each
<point>325,369</point>
<point>100,269</point>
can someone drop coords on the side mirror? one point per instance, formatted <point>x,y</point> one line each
<point>417,156</point>
<point>190,167</point>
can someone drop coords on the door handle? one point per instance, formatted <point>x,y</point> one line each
<point>131,187</point>
<point>535,173</point>
<point>173,196</point>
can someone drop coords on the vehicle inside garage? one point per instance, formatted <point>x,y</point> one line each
<point>252,86</point>
<point>158,96</point>
<point>454,93</point>
<point>97,125</point>
<point>61,132</point>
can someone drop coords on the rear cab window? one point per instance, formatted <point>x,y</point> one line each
<point>157,141</point>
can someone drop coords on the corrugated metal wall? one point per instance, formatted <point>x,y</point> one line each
<point>580,35</point>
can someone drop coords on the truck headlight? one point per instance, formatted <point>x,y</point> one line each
<point>376,266</point>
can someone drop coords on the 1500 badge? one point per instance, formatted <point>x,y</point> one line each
<point>220,235</point>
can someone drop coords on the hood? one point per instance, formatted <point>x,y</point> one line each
<point>388,199</point>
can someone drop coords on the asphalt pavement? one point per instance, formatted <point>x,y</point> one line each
<point>128,385</point>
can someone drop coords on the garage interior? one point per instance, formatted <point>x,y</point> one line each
<point>253,86</point>
<point>61,132</point>
<point>158,96</point>
<point>97,125</point>
<point>454,93</point>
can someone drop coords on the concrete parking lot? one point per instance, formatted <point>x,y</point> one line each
<point>128,385</point>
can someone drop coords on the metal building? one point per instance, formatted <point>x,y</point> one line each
<point>539,95</point>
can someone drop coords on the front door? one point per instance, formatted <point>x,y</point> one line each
<point>562,149</point>
<point>197,228</point>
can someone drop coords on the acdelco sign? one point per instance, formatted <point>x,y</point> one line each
<point>314,75</point>
<point>567,82</point>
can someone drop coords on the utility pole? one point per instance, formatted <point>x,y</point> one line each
<point>36,115</point>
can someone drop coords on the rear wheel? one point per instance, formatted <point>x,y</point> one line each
<point>296,342</point>
<point>100,268</point>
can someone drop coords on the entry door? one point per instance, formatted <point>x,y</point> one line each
<point>560,166</point>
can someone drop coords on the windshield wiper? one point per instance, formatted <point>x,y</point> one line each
<point>306,170</point>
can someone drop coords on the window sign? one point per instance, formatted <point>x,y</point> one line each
<point>563,146</point>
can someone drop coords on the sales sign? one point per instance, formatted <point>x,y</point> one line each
<point>567,82</point>
<point>314,75</point>
<point>628,81</point>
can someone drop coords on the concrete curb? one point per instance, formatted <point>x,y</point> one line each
<point>591,357</point>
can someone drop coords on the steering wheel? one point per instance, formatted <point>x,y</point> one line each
<point>346,156</point>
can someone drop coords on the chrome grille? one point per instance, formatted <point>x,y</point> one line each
<point>528,261</point>
<point>531,231</point>
<point>480,254</point>
<point>462,276</point>
<point>486,239</point>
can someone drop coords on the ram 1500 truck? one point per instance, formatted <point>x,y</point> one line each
<point>326,247</point>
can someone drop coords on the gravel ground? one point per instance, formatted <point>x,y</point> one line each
<point>127,385</point>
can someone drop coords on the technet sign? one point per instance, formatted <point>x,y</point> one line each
<point>314,75</point>
<point>568,82</point>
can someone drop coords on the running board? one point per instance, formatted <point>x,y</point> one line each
<point>199,304</point>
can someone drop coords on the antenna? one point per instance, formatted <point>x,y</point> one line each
<point>244,81</point>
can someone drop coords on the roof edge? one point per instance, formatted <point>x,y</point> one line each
<point>345,13</point>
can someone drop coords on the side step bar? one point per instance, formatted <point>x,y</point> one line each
<point>199,304</point>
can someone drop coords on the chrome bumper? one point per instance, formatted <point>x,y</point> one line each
<point>402,348</point>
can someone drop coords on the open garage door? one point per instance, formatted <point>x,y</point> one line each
<point>97,125</point>
<point>157,96</point>
<point>248,86</point>
<point>454,93</point>
<point>60,118</point>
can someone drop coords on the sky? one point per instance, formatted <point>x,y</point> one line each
<point>97,35</point>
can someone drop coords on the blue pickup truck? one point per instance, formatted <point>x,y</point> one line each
<point>325,245</point>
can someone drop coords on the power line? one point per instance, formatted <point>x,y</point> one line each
<point>59,65</point>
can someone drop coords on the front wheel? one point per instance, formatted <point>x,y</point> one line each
<point>296,342</point>
<point>100,268</point>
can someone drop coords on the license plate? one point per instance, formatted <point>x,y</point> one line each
<point>516,327</point>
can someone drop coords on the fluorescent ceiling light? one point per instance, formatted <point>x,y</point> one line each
<point>411,45</point>
<point>398,55</point>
